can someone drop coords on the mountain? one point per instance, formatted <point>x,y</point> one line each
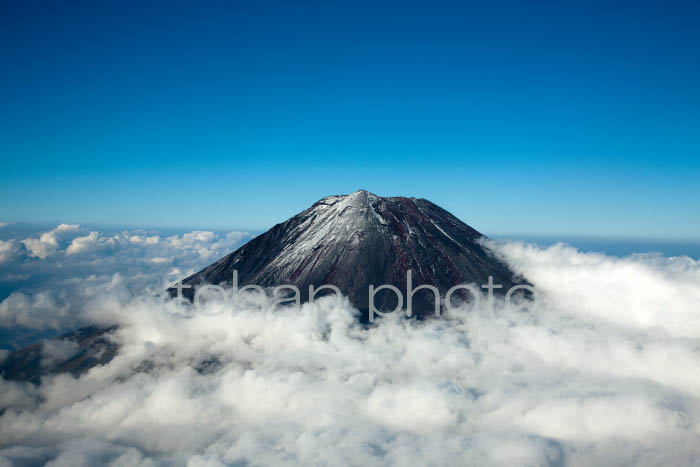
<point>90,346</point>
<point>350,241</point>
<point>359,239</point>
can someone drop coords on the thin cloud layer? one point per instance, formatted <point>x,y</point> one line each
<point>50,277</point>
<point>599,370</point>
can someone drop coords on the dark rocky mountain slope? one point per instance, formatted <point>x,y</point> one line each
<point>359,239</point>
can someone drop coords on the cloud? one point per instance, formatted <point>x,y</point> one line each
<point>8,250</point>
<point>601,369</point>
<point>43,246</point>
<point>67,228</point>
<point>160,260</point>
<point>53,291</point>
<point>198,241</point>
<point>47,243</point>
<point>90,243</point>
<point>64,240</point>
<point>149,240</point>
<point>42,310</point>
<point>57,350</point>
<point>643,291</point>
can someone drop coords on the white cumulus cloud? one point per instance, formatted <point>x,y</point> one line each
<point>67,228</point>
<point>8,250</point>
<point>90,243</point>
<point>47,244</point>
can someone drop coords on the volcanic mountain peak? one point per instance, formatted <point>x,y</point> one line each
<point>361,239</point>
<point>346,219</point>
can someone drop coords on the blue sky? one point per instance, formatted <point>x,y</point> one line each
<point>518,117</point>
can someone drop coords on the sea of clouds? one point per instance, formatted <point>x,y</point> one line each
<point>602,369</point>
<point>48,278</point>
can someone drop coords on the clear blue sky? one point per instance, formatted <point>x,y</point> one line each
<point>519,117</point>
